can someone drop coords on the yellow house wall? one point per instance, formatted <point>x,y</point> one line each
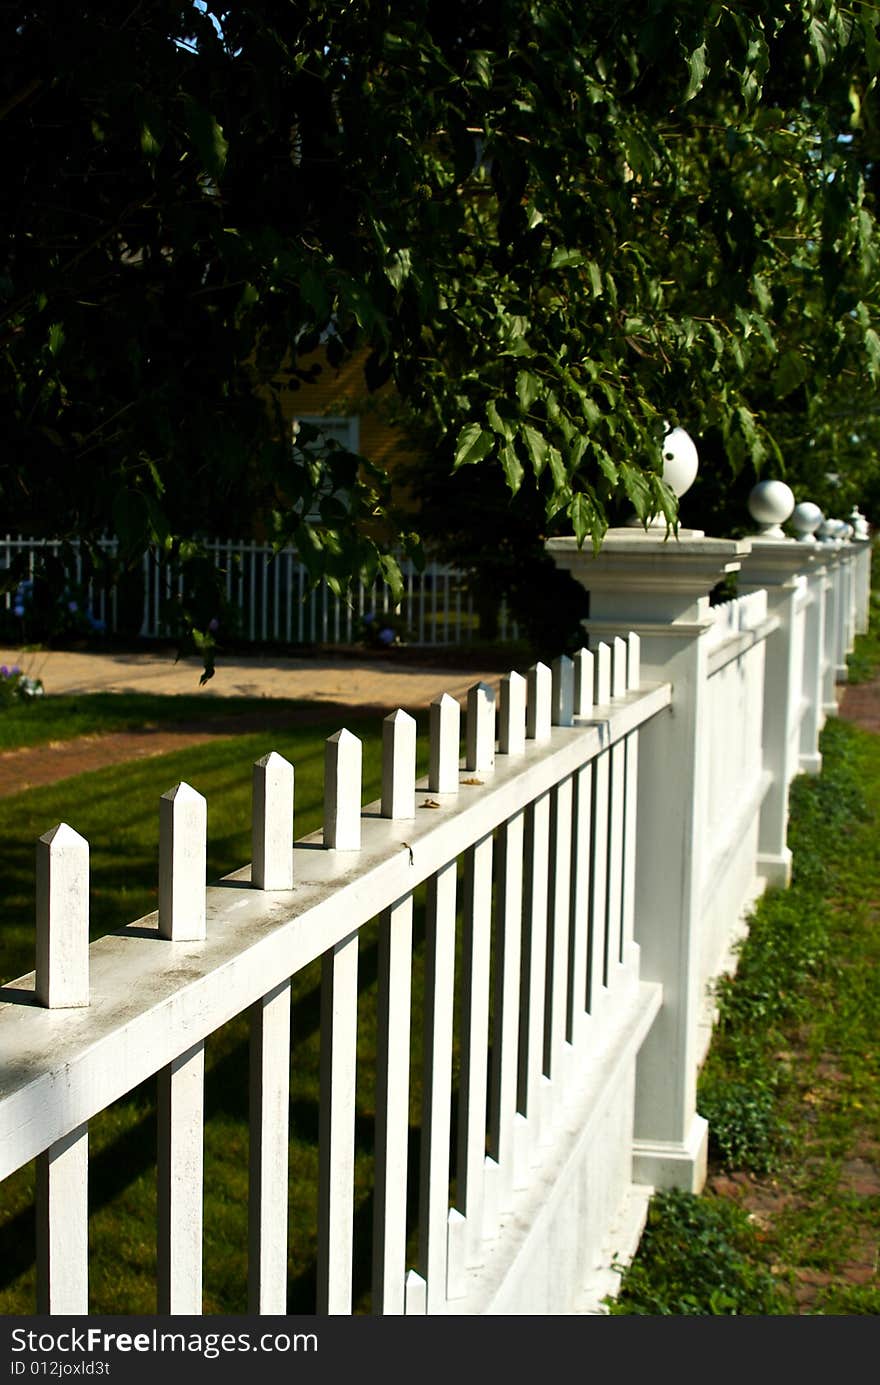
<point>343,393</point>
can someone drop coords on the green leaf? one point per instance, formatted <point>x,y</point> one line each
<point>390,570</point>
<point>513,469</point>
<point>496,422</point>
<point>872,347</point>
<point>756,448</point>
<point>207,137</point>
<point>150,144</point>
<point>557,467</point>
<point>399,268</point>
<point>528,387</point>
<point>821,40</point>
<point>480,61</point>
<point>638,490</point>
<point>595,278</point>
<point>537,446</point>
<point>56,338</point>
<point>565,259</point>
<point>697,72</point>
<point>872,45</point>
<point>581,514</point>
<point>474,443</point>
<point>609,470</point>
<point>790,372</point>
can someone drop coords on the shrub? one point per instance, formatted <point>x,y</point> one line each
<point>693,1261</point>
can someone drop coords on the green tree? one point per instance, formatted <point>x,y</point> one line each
<point>555,226</point>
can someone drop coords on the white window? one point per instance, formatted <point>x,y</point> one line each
<point>345,431</point>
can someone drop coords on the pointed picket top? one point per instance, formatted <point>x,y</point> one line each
<point>62,923</point>
<point>399,765</point>
<point>444,744</point>
<point>343,758</point>
<point>583,683</point>
<point>618,667</point>
<point>562,671</point>
<point>415,1295</point>
<point>480,738</point>
<point>540,694</point>
<point>272,827</point>
<point>512,714</point>
<point>603,674</point>
<point>183,851</point>
<point>633,661</point>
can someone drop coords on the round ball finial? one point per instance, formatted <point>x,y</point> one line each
<point>770,504</point>
<point>859,524</point>
<point>805,519</point>
<point>680,461</point>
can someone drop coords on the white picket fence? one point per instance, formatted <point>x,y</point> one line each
<point>276,603</point>
<point>612,827</point>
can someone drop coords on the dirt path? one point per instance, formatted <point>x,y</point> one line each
<point>860,703</point>
<point>36,766</point>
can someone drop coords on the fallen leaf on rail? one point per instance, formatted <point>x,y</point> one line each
<point>473,781</point>
<point>430,803</point>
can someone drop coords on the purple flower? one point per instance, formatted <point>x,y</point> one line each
<point>72,606</point>
<point>213,625</point>
<point>386,635</point>
<point>4,671</point>
<point>15,670</point>
<point>18,610</point>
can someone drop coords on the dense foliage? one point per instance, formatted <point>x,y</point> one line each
<point>554,226</point>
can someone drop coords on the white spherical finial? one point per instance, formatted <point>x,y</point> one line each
<point>806,518</point>
<point>770,504</point>
<point>680,461</point>
<point>859,524</point>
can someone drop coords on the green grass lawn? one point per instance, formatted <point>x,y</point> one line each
<point>63,716</point>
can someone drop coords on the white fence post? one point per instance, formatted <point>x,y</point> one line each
<point>829,628</point>
<point>180,1100</point>
<point>272,833</point>
<point>773,565</point>
<point>343,754</point>
<point>660,590</point>
<point>840,572</point>
<point>268,1159</point>
<point>480,729</point>
<point>864,548</point>
<point>183,824</point>
<point>444,738</point>
<point>810,760</point>
<point>63,1225</point>
<point>62,970</point>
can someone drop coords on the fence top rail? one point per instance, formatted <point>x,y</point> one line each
<point>152,1000</point>
<point>740,642</point>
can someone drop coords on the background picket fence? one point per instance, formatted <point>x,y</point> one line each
<point>272,600</point>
